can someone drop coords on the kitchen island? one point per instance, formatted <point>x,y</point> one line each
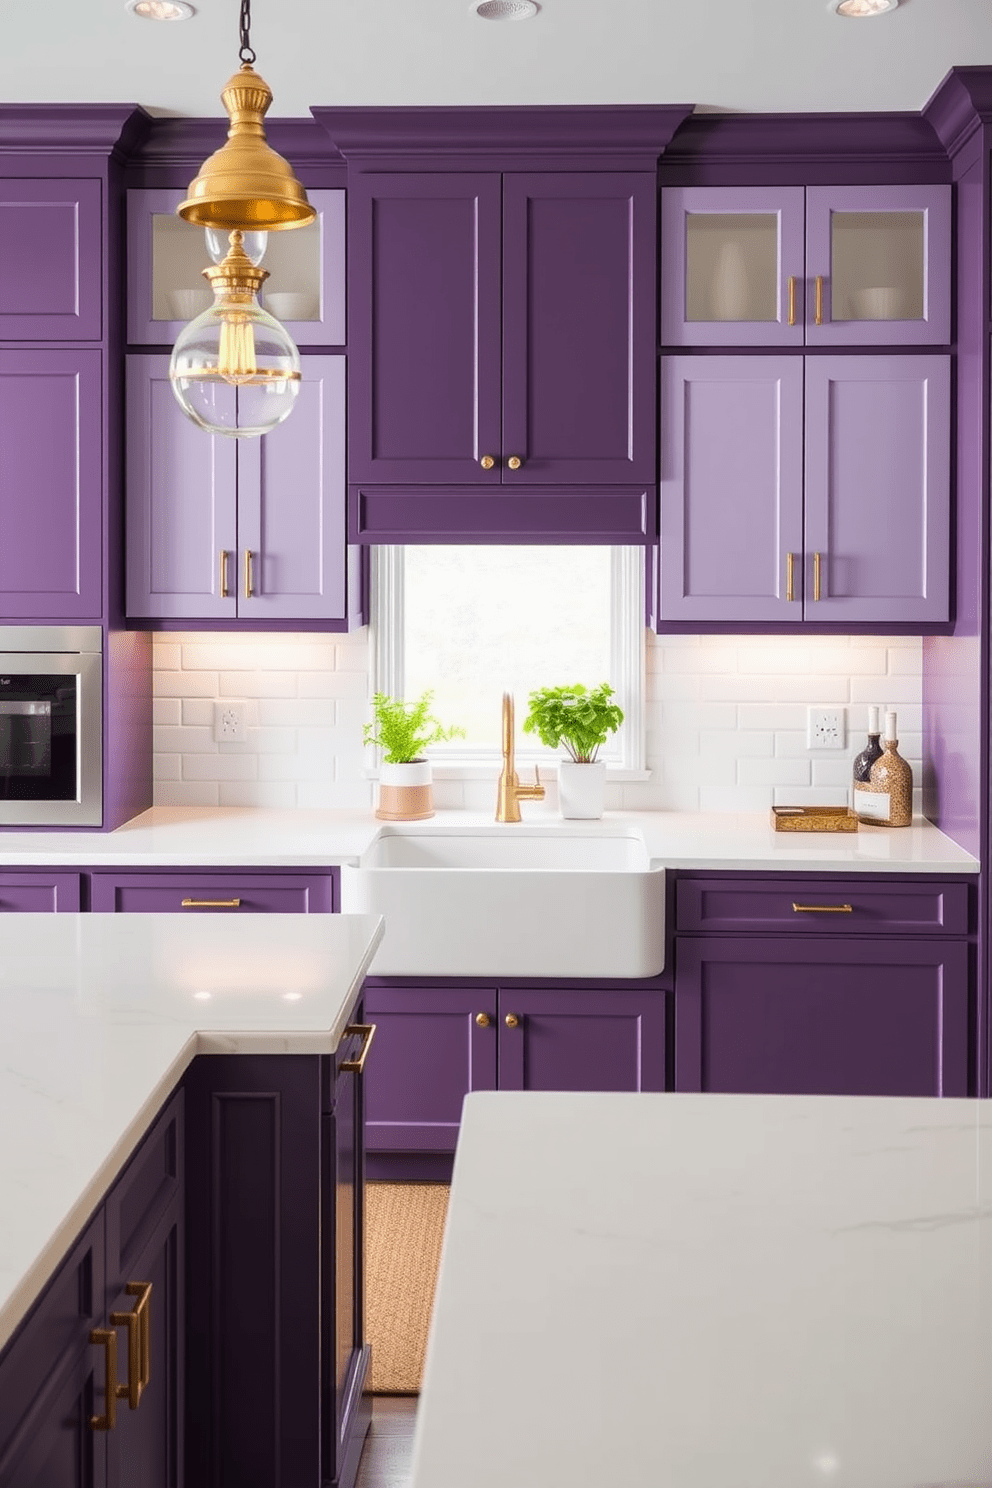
<point>112,1030</point>
<point>678,1291</point>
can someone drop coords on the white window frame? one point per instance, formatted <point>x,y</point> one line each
<point>627,665</point>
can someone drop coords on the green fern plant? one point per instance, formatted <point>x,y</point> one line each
<point>404,730</point>
<point>578,717</point>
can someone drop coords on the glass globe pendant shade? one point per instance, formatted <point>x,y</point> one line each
<point>234,369</point>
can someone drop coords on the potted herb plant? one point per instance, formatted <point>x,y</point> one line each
<point>403,730</point>
<point>582,719</point>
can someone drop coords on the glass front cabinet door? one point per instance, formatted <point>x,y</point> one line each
<point>166,257</point>
<point>816,266</point>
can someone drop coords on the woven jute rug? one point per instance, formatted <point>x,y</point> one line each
<point>404,1223</point>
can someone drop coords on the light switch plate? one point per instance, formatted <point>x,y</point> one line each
<point>825,728</point>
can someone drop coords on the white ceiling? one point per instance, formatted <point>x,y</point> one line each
<point>718,54</point>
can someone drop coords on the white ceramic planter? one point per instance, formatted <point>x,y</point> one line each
<point>405,792</point>
<point>581,788</point>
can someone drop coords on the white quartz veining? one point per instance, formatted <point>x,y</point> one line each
<point>248,837</point>
<point>681,1291</point>
<point>100,1015</point>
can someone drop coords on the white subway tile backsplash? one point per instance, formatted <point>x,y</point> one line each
<point>725,720</point>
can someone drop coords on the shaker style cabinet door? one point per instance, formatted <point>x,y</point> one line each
<point>878,434</point>
<point>577,1038</point>
<point>731,489</point>
<point>220,528</point>
<point>579,311</point>
<point>51,278</point>
<point>182,540</point>
<point>29,893</point>
<point>424,289</point>
<point>732,266</point>
<point>51,484</point>
<point>774,1015</point>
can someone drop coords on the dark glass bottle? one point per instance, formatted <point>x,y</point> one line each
<point>872,750</point>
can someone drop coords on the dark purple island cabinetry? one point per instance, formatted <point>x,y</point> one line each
<point>54,1374</point>
<point>242,1210</point>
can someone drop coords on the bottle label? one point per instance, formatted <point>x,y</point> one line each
<point>875,804</point>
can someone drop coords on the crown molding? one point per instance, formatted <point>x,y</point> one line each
<point>186,142</point>
<point>960,106</point>
<point>72,128</point>
<point>828,139</point>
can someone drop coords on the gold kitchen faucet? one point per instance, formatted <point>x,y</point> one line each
<point>510,792</point>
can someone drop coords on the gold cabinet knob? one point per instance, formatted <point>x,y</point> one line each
<point>512,1021</point>
<point>514,462</point>
<point>483,1020</point>
<point>487,462</point>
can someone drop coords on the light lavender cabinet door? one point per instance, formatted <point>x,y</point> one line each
<point>579,271</point>
<point>731,489</point>
<point>166,257</point>
<point>51,281</point>
<point>878,265</point>
<point>424,289</point>
<point>732,266</point>
<point>877,488</point>
<point>51,484</point>
<point>291,505</point>
<point>181,505</point>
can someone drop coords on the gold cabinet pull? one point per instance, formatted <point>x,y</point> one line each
<point>211,904</point>
<point>106,1338</point>
<point>790,577</point>
<point>224,591</point>
<point>487,462</point>
<point>512,1020</point>
<point>818,311</point>
<point>483,1020</point>
<point>249,576</point>
<point>514,462</point>
<point>355,1066</point>
<point>816,576</point>
<point>138,1323</point>
<point>792,299</point>
<point>823,908</point>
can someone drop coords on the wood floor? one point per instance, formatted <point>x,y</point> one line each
<point>389,1445</point>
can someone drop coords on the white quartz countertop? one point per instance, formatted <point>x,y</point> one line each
<point>247,837</point>
<point>99,1017</point>
<point>682,1291</point>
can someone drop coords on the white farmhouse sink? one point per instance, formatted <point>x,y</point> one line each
<point>509,902</point>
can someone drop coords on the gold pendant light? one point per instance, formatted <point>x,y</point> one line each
<point>246,184</point>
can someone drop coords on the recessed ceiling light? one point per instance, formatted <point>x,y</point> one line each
<point>160,10</point>
<point>505,10</point>
<point>860,9</point>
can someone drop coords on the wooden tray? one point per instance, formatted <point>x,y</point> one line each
<point>814,819</point>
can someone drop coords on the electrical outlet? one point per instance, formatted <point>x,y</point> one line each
<point>825,728</point>
<point>230,725</point>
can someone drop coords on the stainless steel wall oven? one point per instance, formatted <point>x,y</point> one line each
<point>51,726</point>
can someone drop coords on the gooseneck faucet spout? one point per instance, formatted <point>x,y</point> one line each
<point>510,792</point>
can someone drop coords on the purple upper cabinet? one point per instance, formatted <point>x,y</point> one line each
<point>223,529</point>
<point>51,484</point>
<point>731,489</point>
<point>166,257</point>
<point>579,273</point>
<point>291,506</point>
<point>50,260</point>
<point>510,334</point>
<point>424,289</point>
<point>878,265</point>
<point>182,539</point>
<point>732,266</point>
<point>820,266</point>
<point>877,488</point>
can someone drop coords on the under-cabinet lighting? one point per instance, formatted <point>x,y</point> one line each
<point>160,10</point>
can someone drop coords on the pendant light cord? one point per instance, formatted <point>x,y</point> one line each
<point>245,53</point>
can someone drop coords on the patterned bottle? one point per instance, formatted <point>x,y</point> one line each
<point>871,752</point>
<point>886,798</point>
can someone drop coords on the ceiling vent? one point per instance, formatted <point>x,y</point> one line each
<point>506,10</point>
